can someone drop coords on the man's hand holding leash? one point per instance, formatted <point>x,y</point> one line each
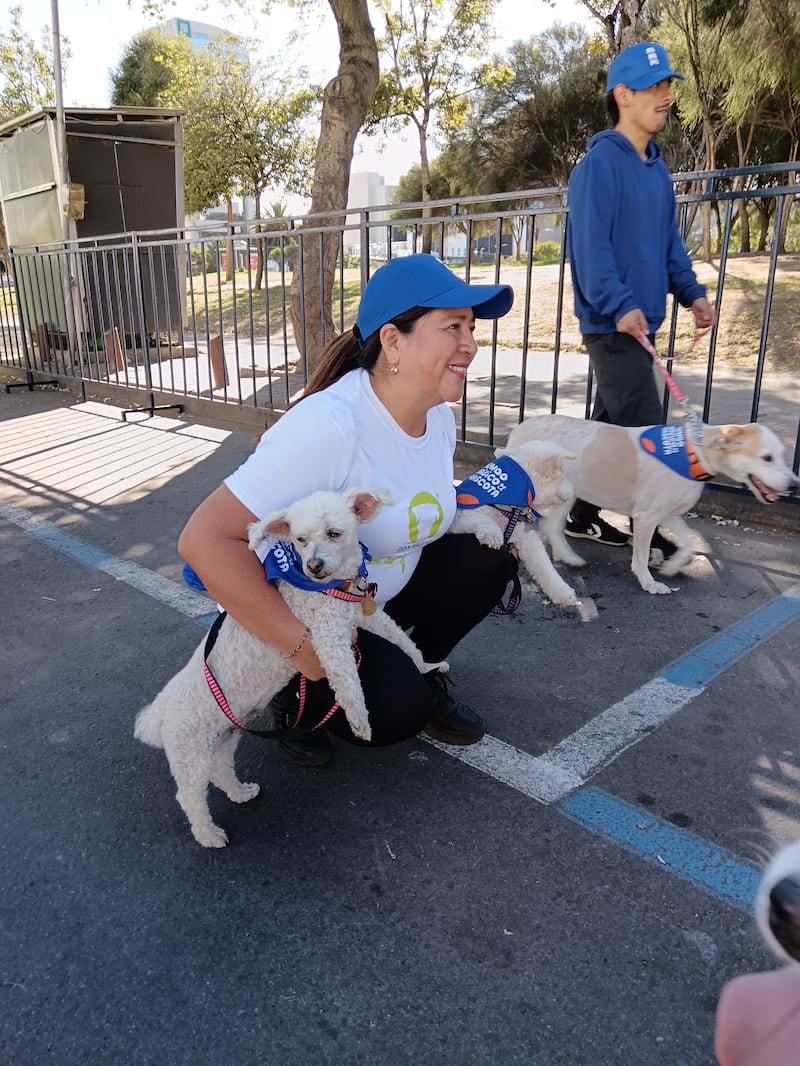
<point>634,323</point>
<point>704,314</point>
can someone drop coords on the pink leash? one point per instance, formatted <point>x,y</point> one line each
<point>691,417</point>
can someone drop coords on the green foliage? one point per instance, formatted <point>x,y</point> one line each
<point>547,252</point>
<point>431,51</point>
<point>147,71</point>
<point>245,129</point>
<point>27,78</point>
<point>530,132</point>
<point>205,258</point>
<point>409,189</point>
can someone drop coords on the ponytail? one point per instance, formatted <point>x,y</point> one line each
<point>345,353</point>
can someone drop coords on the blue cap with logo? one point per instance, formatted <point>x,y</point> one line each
<point>639,66</point>
<point>422,280</point>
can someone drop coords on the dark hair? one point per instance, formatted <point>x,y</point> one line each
<point>612,109</point>
<point>344,353</point>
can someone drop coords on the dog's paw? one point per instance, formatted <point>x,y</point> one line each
<point>491,538</point>
<point>246,791</point>
<point>658,588</point>
<point>360,729</point>
<point>565,599</point>
<point>210,836</point>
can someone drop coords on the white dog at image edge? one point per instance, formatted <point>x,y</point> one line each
<point>778,904</point>
<point>186,720</point>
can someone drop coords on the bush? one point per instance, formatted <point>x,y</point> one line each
<point>547,252</point>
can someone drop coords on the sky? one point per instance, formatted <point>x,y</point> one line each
<point>98,31</point>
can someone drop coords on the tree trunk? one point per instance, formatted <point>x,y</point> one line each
<point>345,104</point>
<point>425,177</point>
<point>259,245</point>
<point>229,265</point>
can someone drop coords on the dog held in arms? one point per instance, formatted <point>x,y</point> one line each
<point>186,719</point>
<point>490,502</point>
<point>619,469</point>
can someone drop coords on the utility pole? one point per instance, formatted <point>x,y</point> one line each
<point>61,125</point>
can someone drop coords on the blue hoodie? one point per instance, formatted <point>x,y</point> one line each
<point>624,247</point>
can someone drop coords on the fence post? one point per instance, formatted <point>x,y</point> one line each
<point>216,354</point>
<point>114,353</point>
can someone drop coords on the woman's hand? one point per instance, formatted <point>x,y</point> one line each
<point>758,1019</point>
<point>306,661</point>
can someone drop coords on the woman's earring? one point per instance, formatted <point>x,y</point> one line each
<point>393,369</point>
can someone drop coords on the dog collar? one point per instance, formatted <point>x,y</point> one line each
<point>282,563</point>
<point>670,445</point>
<point>355,590</point>
<point>503,482</point>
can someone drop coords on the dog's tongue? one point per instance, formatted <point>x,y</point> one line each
<point>767,493</point>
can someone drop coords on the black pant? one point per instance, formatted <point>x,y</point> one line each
<point>456,584</point>
<point>625,392</point>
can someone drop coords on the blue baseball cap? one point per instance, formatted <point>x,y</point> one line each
<point>639,66</point>
<point>423,281</point>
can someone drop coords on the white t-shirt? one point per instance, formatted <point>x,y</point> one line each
<point>344,438</point>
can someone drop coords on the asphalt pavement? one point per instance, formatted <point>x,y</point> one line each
<point>576,889</point>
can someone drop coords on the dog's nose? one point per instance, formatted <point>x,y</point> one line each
<point>784,915</point>
<point>314,566</point>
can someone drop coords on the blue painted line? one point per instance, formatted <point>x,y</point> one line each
<point>74,548</point>
<point>713,657</point>
<point>708,867</point>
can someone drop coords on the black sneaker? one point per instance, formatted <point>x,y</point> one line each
<point>452,722</point>
<point>305,749</point>
<point>661,549</point>
<point>598,530</point>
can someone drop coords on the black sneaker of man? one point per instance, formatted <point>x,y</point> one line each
<point>661,549</point>
<point>306,748</point>
<point>599,530</point>
<point>451,721</point>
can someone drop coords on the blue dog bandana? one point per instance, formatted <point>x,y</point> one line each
<point>502,482</point>
<point>282,563</point>
<point>669,445</point>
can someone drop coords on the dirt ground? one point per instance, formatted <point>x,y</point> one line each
<point>741,309</point>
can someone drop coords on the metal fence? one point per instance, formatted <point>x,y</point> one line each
<point>153,313</point>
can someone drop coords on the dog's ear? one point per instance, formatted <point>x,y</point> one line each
<point>551,468</point>
<point>729,436</point>
<point>274,525</point>
<point>365,504</point>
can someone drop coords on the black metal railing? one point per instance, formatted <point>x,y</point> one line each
<point>153,313</point>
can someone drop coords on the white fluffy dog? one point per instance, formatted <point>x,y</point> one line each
<point>185,718</point>
<point>778,903</point>
<point>544,464</point>
<point>612,469</point>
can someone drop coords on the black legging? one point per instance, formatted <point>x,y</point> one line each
<point>456,584</point>
<point>625,392</point>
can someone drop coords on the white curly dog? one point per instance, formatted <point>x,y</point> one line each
<point>543,462</point>
<point>186,720</point>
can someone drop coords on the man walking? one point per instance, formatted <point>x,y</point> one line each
<point>626,254</point>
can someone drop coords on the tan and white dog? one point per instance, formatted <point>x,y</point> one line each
<point>613,470</point>
<point>544,464</point>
